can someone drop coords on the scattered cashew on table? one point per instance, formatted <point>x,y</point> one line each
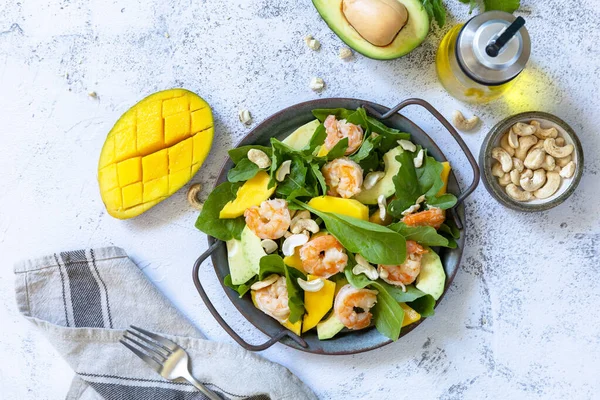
<point>532,161</point>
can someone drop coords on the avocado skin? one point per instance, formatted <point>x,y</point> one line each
<point>409,37</point>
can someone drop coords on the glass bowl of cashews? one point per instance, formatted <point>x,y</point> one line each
<point>531,161</point>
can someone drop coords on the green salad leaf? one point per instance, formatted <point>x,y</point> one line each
<point>509,6</point>
<point>375,243</point>
<point>295,180</point>
<point>472,4</point>
<point>423,305</point>
<point>317,139</point>
<point>337,150</point>
<point>319,179</point>
<point>241,289</point>
<point>425,235</point>
<point>208,221</point>
<point>239,153</point>
<point>436,10</point>
<point>243,170</point>
<point>367,155</point>
<point>340,113</point>
<point>273,264</point>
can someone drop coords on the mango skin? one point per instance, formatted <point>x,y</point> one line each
<point>349,207</point>
<point>317,304</point>
<point>153,150</point>
<point>253,192</point>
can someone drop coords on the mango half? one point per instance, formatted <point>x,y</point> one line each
<point>153,150</point>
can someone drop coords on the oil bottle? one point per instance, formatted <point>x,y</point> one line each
<point>478,61</point>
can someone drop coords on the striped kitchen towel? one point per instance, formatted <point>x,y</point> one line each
<point>83,300</point>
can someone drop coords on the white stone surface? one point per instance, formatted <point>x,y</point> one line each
<point>520,321</point>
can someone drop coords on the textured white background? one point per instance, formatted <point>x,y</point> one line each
<point>521,319</point>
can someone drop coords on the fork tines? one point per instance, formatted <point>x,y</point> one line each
<point>152,348</point>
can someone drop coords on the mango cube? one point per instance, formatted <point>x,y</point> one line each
<point>349,207</point>
<point>253,192</point>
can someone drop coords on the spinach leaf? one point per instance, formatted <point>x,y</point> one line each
<point>280,152</point>
<point>387,313</point>
<point>389,135</point>
<point>445,201</point>
<point>240,153</point>
<point>243,170</point>
<point>208,221</point>
<point>273,264</point>
<point>317,139</point>
<point>295,180</point>
<point>423,305</point>
<point>375,243</point>
<point>450,228</point>
<point>429,175</point>
<point>425,235</point>
<point>369,147</point>
<point>241,289</point>
<point>436,10</point>
<point>406,183</point>
<point>340,113</point>
<point>502,5</point>
<point>316,173</point>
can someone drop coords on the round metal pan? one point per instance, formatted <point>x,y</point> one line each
<point>280,125</point>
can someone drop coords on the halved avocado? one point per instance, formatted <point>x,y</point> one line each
<point>409,37</point>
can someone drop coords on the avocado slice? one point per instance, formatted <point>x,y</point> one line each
<point>298,139</point>
<point>244,256</point>
<point>329,327</point>
<point>386,185</point>
<point>409,37</point>
<point>432,278</point>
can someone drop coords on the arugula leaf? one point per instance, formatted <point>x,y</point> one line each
<point>338,150</point>
<point>429,175</point>
<point>243,170</point>
<point>375,243</point>
<point>390,135</point>
<point>425,235</point>
<point>369,146</point>
<point>340,113</point>
<point>451,232</point>
<point>316,140</point>
<point>279,151</point>
<point>239,153</point>
<point>273,264</point>
<point>472,4</point>
<point>318,176</point>
<point>295,180</point>
<point>209,222</point>
<point>445,201</point>
<point>502,5</point>
<point>436,10</point>
<point>241,289</point>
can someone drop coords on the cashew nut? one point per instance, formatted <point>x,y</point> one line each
<point>192,196</point>
<point>411,209</point>
<point>269,245</point>
<point>542,133</point>
<point>462,123</point>
<point>372,178</point>
<point>382,203</point>
<point>304,214</point>
<point>533,181</point>
<point>407,145</point>
<point>525,143</point>
<point>513,139</point>
<point>553,180</point>
<point>418,160</point>
<point>289,245</point>
<point>317,84</point>
<point>503,157</point>
<point>568,170</point>
<point>518,164</point>
<point>364,267</point>
<point>523,129</point>
<point>557,151</point>
<point>497,170</point>
<point>245,117</point>
<point>561,162</point>
<point>302,225</point>
<point>538,145</point>
<point>268,281</point>
<point>504,144</point>
<point>560,141</point>
<point>517,194</point>
<point>549,163</point>
<point>311,286</point>
<point>515,176</point>
<point>259,157</point>
<point>504,180</point>
<point>283,170</point>
<point>535,159</point>
<point>345,53</point>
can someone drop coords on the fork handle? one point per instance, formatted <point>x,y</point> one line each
<point>203,389</point>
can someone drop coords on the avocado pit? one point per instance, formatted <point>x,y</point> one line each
<point>377,21</point>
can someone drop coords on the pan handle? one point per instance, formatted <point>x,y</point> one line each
<point>221,321</point>
<point>420,102</point>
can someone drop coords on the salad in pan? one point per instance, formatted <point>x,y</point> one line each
<point>336,227</point>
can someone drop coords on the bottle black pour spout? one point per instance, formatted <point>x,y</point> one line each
<point>494,47</point>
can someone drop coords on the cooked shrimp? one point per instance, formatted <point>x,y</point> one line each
<point>323,256</point>
<point>337,130</point>
<point>434,217</point>
<point>406,273</point>
<point>343,176</point>
<point>271,220</point>
<point>273,300</point>
<point>352,306</point>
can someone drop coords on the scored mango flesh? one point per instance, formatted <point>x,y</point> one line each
<point>153,150</point>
